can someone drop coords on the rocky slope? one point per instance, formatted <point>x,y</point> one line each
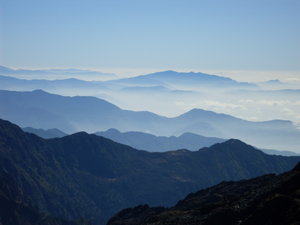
<point>92,177</point>
<point>269,199</point>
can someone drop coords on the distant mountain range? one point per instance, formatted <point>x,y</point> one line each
<point>92,177</point>
<point>166,93</point>
<point>152,143</point>
<point>55,73</point>
<point>279,152</point>
<point>69,86</point>
<point>50,133</point>
<point>70,114</point>
<point>176,80</point>
<point>162,80</point>
<point>166,82</point>
<point>268,199</point>
<point>170,78</point>
<point>189,141</point>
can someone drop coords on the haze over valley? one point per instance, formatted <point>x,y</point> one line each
<point>39,109</point>
<point>149,112</point>
<point>177,93</point>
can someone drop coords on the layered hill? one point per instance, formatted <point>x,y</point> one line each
<point>164,79</point>
<point>176,79</point>
<point>269,199</point>
<point>92,177</point>
<point>152,143</point>
<point>40,109</point>
<point>55,73</point>
<point>49,133</point>
<point>166,92</point>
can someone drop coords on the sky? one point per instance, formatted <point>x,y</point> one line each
<point>149,35</point>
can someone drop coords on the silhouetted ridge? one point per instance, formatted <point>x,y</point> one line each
<point>297,167</point>
<point>9,130</point>
<point>92,177</point>
<point>235,143</point>
<point>268,199</point>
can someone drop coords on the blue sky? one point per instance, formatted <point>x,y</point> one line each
<point>150,34</point>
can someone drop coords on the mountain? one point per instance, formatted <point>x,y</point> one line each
<point>70,86</point>
<point>168,78</point>
<point>56,73</point>
<point>273,84</point>
<point>50,133</point>
<point>261,134</point>
<point>17,208</point>
<point>91,177</point>
<point>182,79</point>
<point>279,152</point>
<point>43,110</point>
<point>168,92</point>
<point>152,143</point>
<point>269,199</point>
<point>40,109</point>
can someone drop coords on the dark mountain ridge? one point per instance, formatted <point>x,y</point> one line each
<point>18,209</point>
<point>268,199</point>
<point>92,177</point>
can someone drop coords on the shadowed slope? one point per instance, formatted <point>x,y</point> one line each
<point>269,199</point>
<point>87,176</point>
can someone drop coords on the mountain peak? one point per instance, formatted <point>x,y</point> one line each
<point>233,141</point>
<point>81,134</point>
<point>39,91</point>
<point>234,144</point>
<point>197,111</point>
<point>113,131</point>
<point>168,71</point>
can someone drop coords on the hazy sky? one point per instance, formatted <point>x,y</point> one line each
<point>150,34</point>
